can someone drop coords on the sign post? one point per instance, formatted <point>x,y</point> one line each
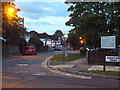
<point>109,42</point>
<point>111,59</point>
<point>104,66</point>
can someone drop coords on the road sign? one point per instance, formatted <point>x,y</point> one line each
<point>112,58</point>
<point>108,42</point>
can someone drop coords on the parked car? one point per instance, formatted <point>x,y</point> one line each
<point>58,48</point>
<point>50,48</point>
<point>29,50</point>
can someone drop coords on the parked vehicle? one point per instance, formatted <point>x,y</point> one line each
<point>29,50</point>
<point>58,48</point>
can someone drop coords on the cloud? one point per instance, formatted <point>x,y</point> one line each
<point>45,8</point>
<point>44,16</point>
<point>41,9</point>
<point>48,24</point>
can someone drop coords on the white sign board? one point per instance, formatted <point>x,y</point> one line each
<point>112,58</point>
<point>108,42</point>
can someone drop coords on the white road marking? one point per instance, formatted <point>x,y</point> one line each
<point>22,65</point>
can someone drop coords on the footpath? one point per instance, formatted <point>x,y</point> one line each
<point>73,67</point>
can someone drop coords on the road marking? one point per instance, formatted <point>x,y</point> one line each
<point>22,65</point>
<point>39,74</point>
<point>46,65</point>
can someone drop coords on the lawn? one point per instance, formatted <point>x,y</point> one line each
<point>69,57</point>
<point>111,73</point>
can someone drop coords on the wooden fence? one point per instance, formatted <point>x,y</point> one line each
<point>98,57</point>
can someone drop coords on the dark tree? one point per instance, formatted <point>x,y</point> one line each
<point>94,19</point>
<point>11,24</point>
<point>35,41</point>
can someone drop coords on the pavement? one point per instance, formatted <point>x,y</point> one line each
<point>73,67</point>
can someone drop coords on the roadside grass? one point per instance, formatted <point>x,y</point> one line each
<point>69,57</point>
<point>110,73</point>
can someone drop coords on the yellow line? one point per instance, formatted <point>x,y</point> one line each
<point>47,62</point>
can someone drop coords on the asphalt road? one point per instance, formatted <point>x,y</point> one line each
<point>26,72</point>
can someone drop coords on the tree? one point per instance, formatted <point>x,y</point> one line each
<point>21,44</point>
<point>93,19</point>
<point>73,40</point>
<point>58,33</point>
<point>11,23</point>
<point>35,41</point>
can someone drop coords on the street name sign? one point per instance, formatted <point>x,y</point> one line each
<point>112,58</point>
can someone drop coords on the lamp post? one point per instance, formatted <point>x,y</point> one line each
<point>9,14</point>
<point>10,11</point>
<point>65,36</point>
<point>23,36</point>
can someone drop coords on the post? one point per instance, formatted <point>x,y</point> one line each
<point>64,49</point>
<point>23,37</point>
<point>104,65</point>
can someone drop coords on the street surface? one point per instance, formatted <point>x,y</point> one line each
<point>26,72</point>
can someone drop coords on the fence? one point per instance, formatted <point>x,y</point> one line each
<point>98,57</point>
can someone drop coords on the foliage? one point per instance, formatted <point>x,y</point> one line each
<point>11,23</point>
<point>73,40</point>
<point>35,41</point>
<point>94,19</point>
<point>58,33</point>
<point>22,43</point>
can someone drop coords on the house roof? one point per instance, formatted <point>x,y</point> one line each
<point>42,35</point>
<point>54,37</point>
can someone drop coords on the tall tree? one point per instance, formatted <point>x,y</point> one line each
<point>35,41</point>
<point>58,33</point>
<point>11,23</point>
<point>93,19</point>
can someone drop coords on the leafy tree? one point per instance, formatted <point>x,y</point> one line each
<point>21,44</point>
<point>11,23</point>
<point>93,19</point>
<point>73,40</point>
<point>58,33</point>
<point>35,41</point>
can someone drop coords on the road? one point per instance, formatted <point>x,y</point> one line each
<point>26,72</point>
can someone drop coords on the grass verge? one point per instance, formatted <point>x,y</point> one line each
<point>69,57</point>
<point>110,73</point>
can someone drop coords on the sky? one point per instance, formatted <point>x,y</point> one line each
<point>44,16</point>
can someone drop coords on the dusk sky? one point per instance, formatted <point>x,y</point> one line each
<point>44,16</point>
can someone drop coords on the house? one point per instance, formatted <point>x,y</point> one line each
<point>48,40</point>
<point>28,35</point>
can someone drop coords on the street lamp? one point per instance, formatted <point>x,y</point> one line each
<point>65,36</point>
<point>11,10</point>
<point>81,41</point>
